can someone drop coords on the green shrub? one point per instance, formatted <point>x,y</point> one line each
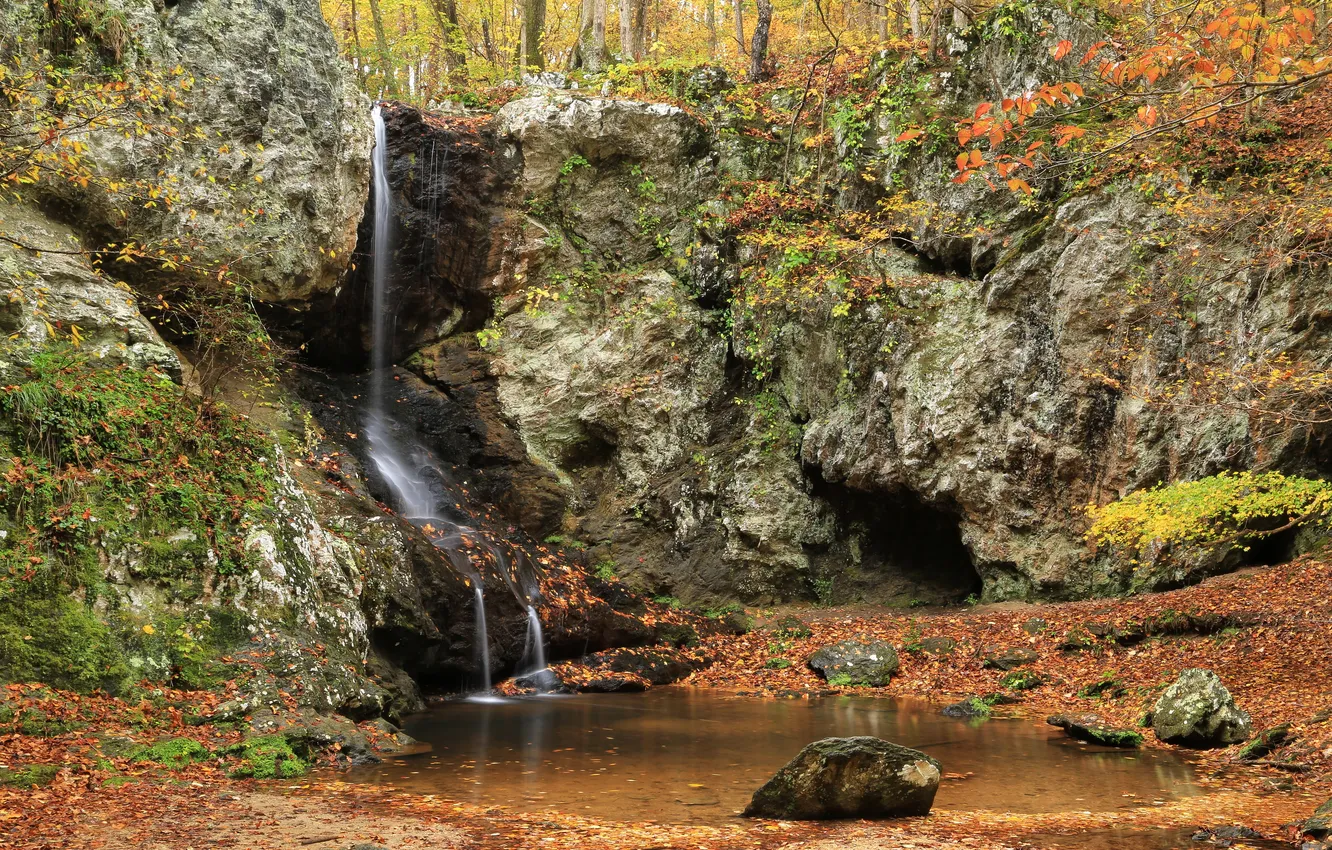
<point>1224,508</point>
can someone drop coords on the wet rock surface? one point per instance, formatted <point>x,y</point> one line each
<point>860,777</point>
<point>1089,727</point>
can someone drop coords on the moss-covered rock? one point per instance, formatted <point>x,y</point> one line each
<point>1197,711</point>
<point>972,706</point>
<point>33,776</point>
<point>172,752</point>
<point>1265,743</point>
<point>266,757</point>
<point>1088,727</point>
<point>1021,680</point>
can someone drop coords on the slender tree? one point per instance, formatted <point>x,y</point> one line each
<point>381,44</point>
<point>758,48</point>
<point>627,30</point>
<point>740,26</point>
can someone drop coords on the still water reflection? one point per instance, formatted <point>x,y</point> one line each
<point>687,755</point>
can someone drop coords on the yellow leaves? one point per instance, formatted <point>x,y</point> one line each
<point>149,629</point>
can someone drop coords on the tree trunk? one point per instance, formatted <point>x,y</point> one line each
<point>455,57</point>
<point>356,38</point>
<point>710,18</point>
<point>962,12</point>
<point>627,31</point>
<point>740,26</point>
<point>758,48</point>
<point>590,51</point>
<point>917,31</point>
<point>534,27</point>
<point>381,43</point>
<point>640,28</point>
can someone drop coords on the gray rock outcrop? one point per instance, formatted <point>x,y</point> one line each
<point>855,662</point>
<point>1198,711</point>
<point>860,777</point>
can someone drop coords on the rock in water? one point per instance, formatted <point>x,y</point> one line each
<point>1088,727</point>
<point>859,777</point>
<point>1198,711</point>
<point>855,663</point>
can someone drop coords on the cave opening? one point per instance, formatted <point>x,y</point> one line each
<point>893,548</point>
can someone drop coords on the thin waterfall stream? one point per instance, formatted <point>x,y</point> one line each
<point>407,468</point>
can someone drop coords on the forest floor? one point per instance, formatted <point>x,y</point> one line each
<point>1266,632</point>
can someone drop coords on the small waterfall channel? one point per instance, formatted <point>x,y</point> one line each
<point>415,481</point>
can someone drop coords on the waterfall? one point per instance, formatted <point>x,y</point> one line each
<point>482,642</point>
<point>535,652</point>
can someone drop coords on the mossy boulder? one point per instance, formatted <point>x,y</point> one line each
<point>942,645</point>
<point>33,776</point>
<point>1088,727</point>
<point>172,752</point>
<point>856,663</point>
<point>996,658</point>
<point>1021,680</point>
<point>1319,827</point>
<point>972,706</point>
<point>266,757</point>
<point>1265,743</point>
<point>860,777</point>
<point>1198,711</point>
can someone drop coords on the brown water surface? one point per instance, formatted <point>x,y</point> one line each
<point>684,755</point>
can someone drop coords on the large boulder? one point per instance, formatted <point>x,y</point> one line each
<point>1198,711</point>
<point>854,662</point>
<point>860,777</point>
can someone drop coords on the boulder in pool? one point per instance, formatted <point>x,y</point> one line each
<point>1198,711</point>
<point>1088,727</point>
<point>860,777</point>
<point>854,662</point>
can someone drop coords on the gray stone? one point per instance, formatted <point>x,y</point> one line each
<point>1008,659</point>
<point>854,662</point>
<point>859,777</point>
<point>1198,711</point>
<point>938,645</point>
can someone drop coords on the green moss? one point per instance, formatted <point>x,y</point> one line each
<point>1021,680</point>
<point>780,664</point>
<point>1114,737</point>
<point>29,777</point>
<point>266,757</point>
<point>59,641</point>
<point>174,752</point>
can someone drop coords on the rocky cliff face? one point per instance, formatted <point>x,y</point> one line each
<point>939,443</point>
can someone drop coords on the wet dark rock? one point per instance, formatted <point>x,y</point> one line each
<point>938,645</point>
<point>860,777</point>
<point>1198,711</point>
<point>1008,659</point>
<point>675,634</point>
<point>1088,727</point>
<point>1319,826</point>
<point>856,663</point>
<point>970,707</point>
<point>632,669</point>
<point>737,623</point>
<point>1265,743</point>
<point>1224,836</point>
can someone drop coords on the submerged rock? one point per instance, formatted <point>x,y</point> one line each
<point>856,663</point>
<point>1088,727</point>
<point>860,777</point>
<point>1198,711</point>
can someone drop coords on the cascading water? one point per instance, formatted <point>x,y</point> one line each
<point>406,469</point>
<point>535,653</point>
<point>482,640</point>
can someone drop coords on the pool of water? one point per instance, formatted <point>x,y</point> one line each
<point>684,755</point>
